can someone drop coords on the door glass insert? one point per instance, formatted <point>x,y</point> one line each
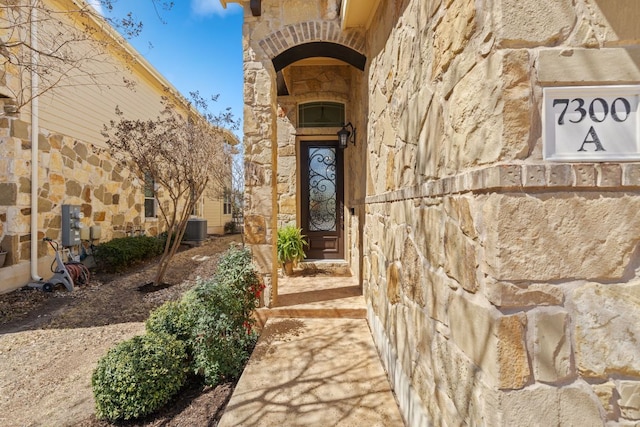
<point>322,189</point>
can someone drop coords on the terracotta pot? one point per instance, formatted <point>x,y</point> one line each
<point>288,268</point>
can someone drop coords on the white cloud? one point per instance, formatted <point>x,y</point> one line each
<point>97,6</point>
<point>211,7</point>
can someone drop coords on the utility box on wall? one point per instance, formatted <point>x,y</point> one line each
<point>71,225</point>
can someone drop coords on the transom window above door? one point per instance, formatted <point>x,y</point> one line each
<point>320,114</point>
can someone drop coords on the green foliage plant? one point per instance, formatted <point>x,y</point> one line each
<point>215,318</point>
<point>230,227</point>
<point>171,318</point>
<point>139,376</point>
<point>223,334</point>
<point>120,253</point>
<point>290,244</point>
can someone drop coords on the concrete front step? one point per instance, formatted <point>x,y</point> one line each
<point>318,295</point>
<point>264,314</point>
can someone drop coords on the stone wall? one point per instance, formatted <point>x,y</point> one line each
<point>70,172</point>
<point>503,290</point>
<point>270,134</point>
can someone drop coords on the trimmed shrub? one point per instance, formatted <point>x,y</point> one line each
<point>230,227</point>
<point>117,254</point>
<point>139,376</point>
<point>171,318</point>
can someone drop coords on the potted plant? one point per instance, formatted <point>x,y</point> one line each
<point>3,256</point>
<point>290,247</point>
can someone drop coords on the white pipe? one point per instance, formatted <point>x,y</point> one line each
<point>35,130</point>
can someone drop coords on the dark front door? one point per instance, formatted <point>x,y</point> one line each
<point>322,199</point>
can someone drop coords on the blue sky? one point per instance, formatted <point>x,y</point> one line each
<point>198,47</point>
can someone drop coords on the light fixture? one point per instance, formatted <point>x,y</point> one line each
<point>343,136</point>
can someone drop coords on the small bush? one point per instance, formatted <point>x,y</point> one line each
<point>138,376</point>
<point>221,308</point>
<point>171,318</point>
<point>222,338</point>
<point>123,252</point>
<point>230,227</point>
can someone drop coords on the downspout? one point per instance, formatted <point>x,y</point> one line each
<point>35,130</point>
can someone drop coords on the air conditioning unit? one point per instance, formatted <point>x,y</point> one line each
<point>196,231</point>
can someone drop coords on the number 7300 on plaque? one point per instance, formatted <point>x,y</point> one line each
<point>591,123</point>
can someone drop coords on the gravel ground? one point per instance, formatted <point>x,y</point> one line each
<point>50,344</point>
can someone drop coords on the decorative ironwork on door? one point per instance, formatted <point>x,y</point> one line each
<point>322,189</point>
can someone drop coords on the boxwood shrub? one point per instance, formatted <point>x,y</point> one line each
<point>117,254</point>
<point>139,376</point>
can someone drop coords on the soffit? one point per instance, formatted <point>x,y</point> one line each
<point>358,13</point>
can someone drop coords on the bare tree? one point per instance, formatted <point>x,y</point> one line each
<point>183,151</point>
<point>58,45</point>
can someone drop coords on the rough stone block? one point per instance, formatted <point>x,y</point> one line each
<point>605,393</point>
<point>589,66</point>
<point>429,235</point>
<point>68,153</point>
<point>456,378</point>
<point>578,406</point>
<point>43,144</point>
<point>505,295</point>
<point>20,129</point>
<point>73,188</point>
<point>559,176</point>
<point>494,342</point>
<point>631,175</point>
<point>606,324</point>
<point>81,150</point>
<point>255,229</point>
<point>629,399</point>
<point>551,345</point>
<point>460,258</point>
<point>534,176</point>
<point>25,185</point>
<point>541,239</point>
<point>610,176</point>
<point>393,283</point>
<point>522,24</point>
<point>8,193</point>
<point>585,175</point>
<point>413,285</point>
<point>459,209</point>
<point>573,405</point>
<point>287,205</point>
<point>438,294</point>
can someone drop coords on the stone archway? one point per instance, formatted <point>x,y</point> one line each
<point>265,63</point>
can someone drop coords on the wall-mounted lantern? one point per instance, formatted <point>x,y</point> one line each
<point>343,136</point>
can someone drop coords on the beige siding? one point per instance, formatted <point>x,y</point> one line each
<point>213,212</point>
<point>84,103</point>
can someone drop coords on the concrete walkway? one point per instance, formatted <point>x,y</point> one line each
<point>315,363</point>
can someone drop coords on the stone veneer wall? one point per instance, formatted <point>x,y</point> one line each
<point>269,126</point>
<point>70,172</point>
<point>502,289</point>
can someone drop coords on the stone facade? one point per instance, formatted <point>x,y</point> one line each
<point>502,289</point>
<point>73,161</point>
<point>70,172</point>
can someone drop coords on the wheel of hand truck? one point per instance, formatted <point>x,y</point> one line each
<point>47,287</point>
